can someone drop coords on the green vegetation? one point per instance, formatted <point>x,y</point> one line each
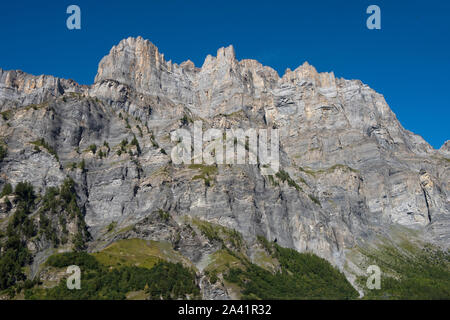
<point>7,190</point>
<point>14,254</point>
<point>314,199</point>
<point>137,253</point>
<point>6,115</point>
<point>229,238</point>
<point>186,120</point>
<point>82,165</point>
<point>141,134</point>
<point>266,244</point>
<point>111,226</point>
<point>3,152</point>
<point>339,166</point>
<point>71,166</point>
<point>135,142</point>
<point>25,195</point>
<point>61,202</point>
<point>56,208</point>
<point>286,275</point>
<point>123,144</point>
<point>302,276</point>
<point>36,106</point>
<point>82,259</point>
<point>284,176</point>
<point>153,141</point>
<point>221,261</point>
<point>136,268</point>
<point>106,145</point>
<point>92,148</point>
<point>409,272</point>
<point>306,170</point>
<point>328,170</point>
<point>127,123</point>
<point>8,208</point>
<point>164,215</point>
<point>164,280</point>
<point>42,143</point>
<point>207,173</point>
<point>272,180</point>
<point>235,114</point>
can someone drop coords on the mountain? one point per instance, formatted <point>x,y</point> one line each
<point>351,178</point>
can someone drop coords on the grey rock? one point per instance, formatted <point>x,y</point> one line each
<point>359,171</point>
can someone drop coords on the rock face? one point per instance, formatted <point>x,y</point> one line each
<point>21,89</point>
<point>445,149</point>
<point>356,170</point>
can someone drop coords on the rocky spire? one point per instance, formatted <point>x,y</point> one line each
<point>20,88</point>
<point>134,61</point>
<point>445,149</point>
<point>307,72</point>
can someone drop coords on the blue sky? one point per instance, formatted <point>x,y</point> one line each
<point>408,60</point>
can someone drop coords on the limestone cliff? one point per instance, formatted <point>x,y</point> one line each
<point>350,170</point>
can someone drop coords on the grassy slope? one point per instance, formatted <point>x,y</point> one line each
<point>137,252</point>
<point>409,272</point>
<point>274,272</point>
<point>410,268</point>
<point>128,269</point>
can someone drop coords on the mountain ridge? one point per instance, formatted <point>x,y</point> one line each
<point>32,82</point>
<point>349,170</point>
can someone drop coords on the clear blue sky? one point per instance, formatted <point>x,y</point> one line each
<point>408,60</point>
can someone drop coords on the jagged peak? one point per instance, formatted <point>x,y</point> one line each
<point>135,61</point>
<point>224,54</point>
<point>445,148</point>
<point>189,65</point>
<point>128,60</point>
<point>255,65</point>
<point>21,80</point>
<point>133,42</point>
<point>308,72</point>
<point>306,67</point>
<point>303,71</point>
<point>147,55</point>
